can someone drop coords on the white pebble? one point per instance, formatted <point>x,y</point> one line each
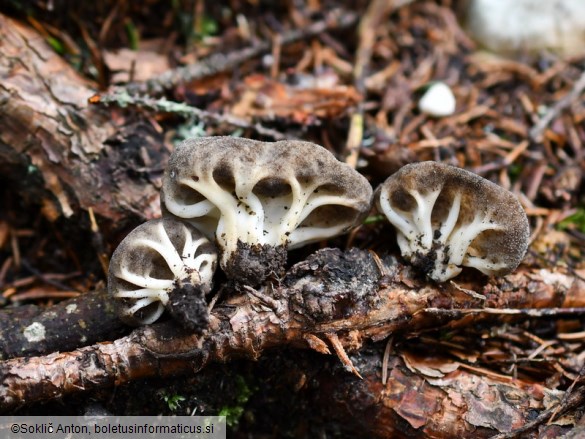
<point>438,101</point>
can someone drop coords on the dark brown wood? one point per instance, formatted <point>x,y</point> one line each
<point>82,321</point>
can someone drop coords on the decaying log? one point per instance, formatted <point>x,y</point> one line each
<point>58,151</point>
<point>353,295</point>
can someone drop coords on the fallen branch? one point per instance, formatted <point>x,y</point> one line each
<point>537,130</point>
<point>123,99</point>
<point>456,403</point>
<point>346,294</point>
<point>84,320</point>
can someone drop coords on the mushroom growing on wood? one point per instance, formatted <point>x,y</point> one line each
<point>163,263</point>
<point>446,217</point>
<point>259,199</point>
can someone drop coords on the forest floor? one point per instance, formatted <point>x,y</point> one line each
<point>345,76</point>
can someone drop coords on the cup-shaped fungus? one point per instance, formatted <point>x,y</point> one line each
<point>446,217</point>
<point>163,263</point>
<point>258,199</point>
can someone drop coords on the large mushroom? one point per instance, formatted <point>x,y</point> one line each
<point>258,199</point>
<point>446,217</point>
<point>163,263</point>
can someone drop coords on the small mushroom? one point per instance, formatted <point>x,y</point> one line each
<point>446,217</point>
<point>163,263</point>
<point>258,199</point>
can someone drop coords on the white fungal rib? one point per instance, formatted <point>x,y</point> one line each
<point>440,244</point>
<point>405,245</point>
<point>292,217</point>
<point>466,235</point>
<point>441,274</point>
<point>150,317</point>
<point>483,265</point>
<point>141,303</point>
<point>203,259</point>
<point>422,218</point>
<point>201,208</point>
<point>275,227</point>
<point>206,271</point>
<point>394,217</point>
<point>220,199</point>
<point>253,217</point>
<point>304,235</point>
<point>323,200</point>
<point>142,294</point>
<point>449,224</point>
<point>143,281</point>
<point>170,255</point>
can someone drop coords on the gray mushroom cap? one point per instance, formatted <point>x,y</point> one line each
<point>446,217</point>
<point>261,198</point>
<point>152,261</point>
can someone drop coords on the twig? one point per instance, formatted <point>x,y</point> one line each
<point>565,401</point>
<point>333,294</point>
<point>123,99</point>
<point>86,319</point>
<point>98,242</point>
<point>537,130</point>
<point>573,400</point>
<point>469,292</point>
<point>219,62</point>
<point>542,312</point>
<point>385,359</point>
<point>377,12</point>
<point>341,354</point>
<point>43,278</point>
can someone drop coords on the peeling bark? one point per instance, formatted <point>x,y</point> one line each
<point>412,405</point>
<point>58,151</point>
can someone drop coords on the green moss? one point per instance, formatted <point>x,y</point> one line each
<point>173,401</point>
<point>208,27</point>
<point>235,412</point>
<point>374,219</point>
<point>514,171</point>
<point>133,34</point>
<point>575,221</point>
<point>56,45</point>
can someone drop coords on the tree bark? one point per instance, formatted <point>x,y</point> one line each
<point>58,151</point>
<point>411,405</point>
<point>84,320</point>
